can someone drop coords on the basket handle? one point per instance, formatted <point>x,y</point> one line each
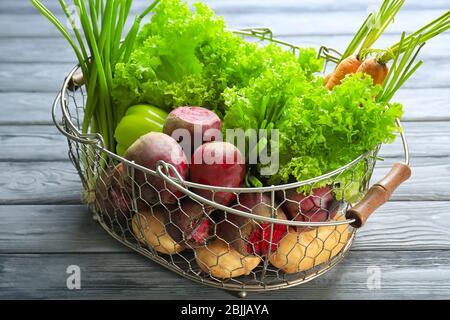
<point>379,194</point>
<point>163,170</point>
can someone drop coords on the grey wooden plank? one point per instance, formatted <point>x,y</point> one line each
<point>406,225</point>
<point>398,225</point>
<point>20,108</point>
<point>402,275</point>
<point>48,77</point>
<point>41,182</point>
<point>25,143</point>
<point>425,139</point>
<point>46,143</point>
<point>56,50</point>
<point>422,104</point>
<point>282,23</point>
<point>58,182</point>
<point>33,77</point>
<point>53,229</point>
<point>233,6</point>
<point>429,181</point>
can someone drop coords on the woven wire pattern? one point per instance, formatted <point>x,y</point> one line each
<point>211,246</point>
<point>230,254</point>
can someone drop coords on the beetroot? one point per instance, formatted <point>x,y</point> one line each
<point>112,196</point>
<point>248,236</point>
<point>147,151</point>
<point>190,224</point>
<point>201,125</point>
<point>217,164</point>
<point>320,205</point>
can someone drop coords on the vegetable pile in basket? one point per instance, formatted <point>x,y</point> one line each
<point>184,70</point>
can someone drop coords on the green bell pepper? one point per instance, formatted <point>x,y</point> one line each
<point>138,120</point>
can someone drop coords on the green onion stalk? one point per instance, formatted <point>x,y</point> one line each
<point>404,53</point>
<point>424,34</point>
<point>373,27</point>
<point>98,45</point>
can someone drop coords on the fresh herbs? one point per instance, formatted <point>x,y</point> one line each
<point>98,47</point>
<point>373,27</point>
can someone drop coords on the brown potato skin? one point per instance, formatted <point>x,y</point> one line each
<point>149,229</point>
<point>301,251</point>
<point>222,262</point>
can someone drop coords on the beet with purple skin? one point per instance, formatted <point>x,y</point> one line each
<point>189,225</point>
<point>201,125</point>
<point>218,164</point>
<point>249,236</point>
<point>318,206</point>
<point>147,151</point>
<point>112,197</point>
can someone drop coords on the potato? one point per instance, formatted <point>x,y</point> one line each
<point>298,252</point>
<point>149,229</point>
<point>223,262</point>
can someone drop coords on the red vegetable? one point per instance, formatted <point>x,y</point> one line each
<point>319,206</point>
<point>200,124</point>
<point>190,224</point>
<point>112,198</point>
<point>147,151</point>
<point>218,164</point>
<point>249,236</point>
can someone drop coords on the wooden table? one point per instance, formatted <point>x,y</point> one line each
<point>44,227</point>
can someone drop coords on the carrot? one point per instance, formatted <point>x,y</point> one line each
<point>326,78</point>
<point>376,69</point>
<point>364,38</point>
<point>347,66</point>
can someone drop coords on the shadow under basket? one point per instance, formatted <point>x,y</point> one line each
<point>163,217</point>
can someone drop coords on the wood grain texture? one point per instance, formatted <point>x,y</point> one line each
<point>405,275</point>
<point>58,182</point>
<point>53,229</point>
<point>23,108</point>
<point>28,108</point>
<point>56,50</point>
<point>48,77</point>
<point>39,182</point>
<point>233,6</point>
<point>290,22</point>
<point>44,227</point>
<point>398,225</point>
<point>46,143</point>
<point>27,143</point>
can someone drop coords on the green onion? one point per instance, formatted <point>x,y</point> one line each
<point>425,33</point>
<point>402,67</point>
<point>373,27</point>
<point>98,47</point>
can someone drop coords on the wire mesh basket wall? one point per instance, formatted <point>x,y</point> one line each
<point>267,238</point>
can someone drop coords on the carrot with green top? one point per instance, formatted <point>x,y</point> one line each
<point>377,67</point>
<point>365,37</point>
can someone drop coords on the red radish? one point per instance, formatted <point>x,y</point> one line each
<point>200,125</point>
<point>218,164</point>
<point>147,151</point>
<point>319,206</point>
<point>249,236</point>
<point>190,224</point>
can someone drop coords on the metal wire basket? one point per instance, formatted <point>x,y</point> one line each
<point>239,251</point>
